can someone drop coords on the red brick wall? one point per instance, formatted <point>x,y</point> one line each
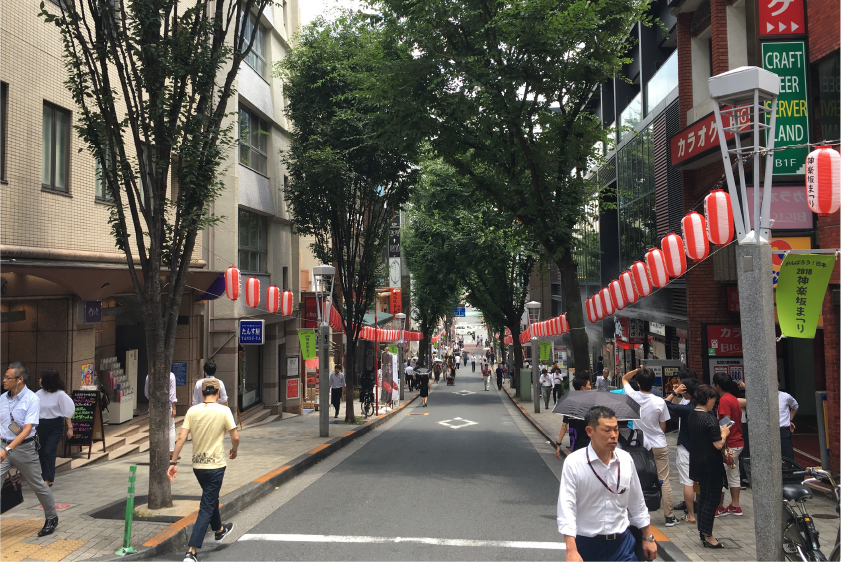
<point>823,18</point>
<point>718,22</point>
<point>684,64</point>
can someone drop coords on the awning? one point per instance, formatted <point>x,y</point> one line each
<point>382,319</point>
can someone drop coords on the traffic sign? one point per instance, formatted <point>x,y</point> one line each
<point>460,312</point>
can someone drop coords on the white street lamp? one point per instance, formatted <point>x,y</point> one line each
<point>400,319</point>
<point>324,276</point>
<point>748,91</point>
<point>533,309</point>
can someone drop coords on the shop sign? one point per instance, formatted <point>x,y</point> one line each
<point>621,330</point>
<point>789,209</point>
<point>252,332</point>
<point>699,138</point>
<point>394,243</point>
<point>293,389</point>
<point>724,340</point>
<point>636,332</point>
<point>87,375</point>
<point>800,293</point>
<point>93,311</point>
<point>733,366</point>
<point>179,370</point>
<point>396,300</point>
<point>788,60</point>
<point>779,245</point>
<point>733,299</point>
<point>657,328</point>
<point>310,313</point>
<point>781,17</point>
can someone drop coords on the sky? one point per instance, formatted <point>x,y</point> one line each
<point>312,8</point>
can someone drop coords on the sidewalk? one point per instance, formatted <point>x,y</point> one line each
<point>269,455</point>
<point>682,542</point>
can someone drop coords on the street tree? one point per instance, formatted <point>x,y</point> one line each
<point>501,89</point>
<point>151,80</point>
<point>346,177</point>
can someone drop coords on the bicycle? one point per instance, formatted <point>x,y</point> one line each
<point>800,537</point>
<point>367,403</point>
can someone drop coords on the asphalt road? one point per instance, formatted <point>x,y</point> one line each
<point>467,481</point>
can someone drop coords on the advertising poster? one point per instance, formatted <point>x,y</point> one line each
<point>293,389</point>
<point>87,374</point>
<point>734,366</point>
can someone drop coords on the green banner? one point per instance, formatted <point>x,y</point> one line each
<point>800,291</point>
<point>546,351</point>
<point>306,337</point>
<point>393,349</point>
<point>788,60</point>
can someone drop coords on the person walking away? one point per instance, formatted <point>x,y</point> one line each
<point>207,423</point>
<point>600,497</point>
<point>653,417</point>
<point>423,387</point>
<point>545,386</point>
<point>603,381</point>
<point>788,409</point>
<point>410,376</point>
<point>209,373</point>
<point>20,410</point>
<point>729,406</point>
<point>473,361</point>
<point>682,409</point>
<point>499,375</point>
<point>578,438</point>
<point>458,361</point>
<point>173,399</point>
<point>557,384</point>
<point>706,439</point>
<point>56,409</point>
<point>486,376</point>
<point>337,386</point>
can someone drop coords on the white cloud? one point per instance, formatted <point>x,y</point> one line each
<point>310,9</point>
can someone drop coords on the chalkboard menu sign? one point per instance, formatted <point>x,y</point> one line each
<point>86,420</point>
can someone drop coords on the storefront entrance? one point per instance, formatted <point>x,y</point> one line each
<point>250,380</point>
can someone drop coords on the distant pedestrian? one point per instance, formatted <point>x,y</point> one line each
<point>337,386</point>
<point>173,399</point>
<point>603,381</point>
<point>499,375</point>
<point>458,361</point>
<point>208,423</point>
<point>19,416</point>
<point>473,361</point>
<point>601,497</point>
<point>788,409</point>
<point>578,437</point>
<point>545,386</point>
<point>437,370</point>
<point>486,376</point>
<point>54,420</point>
<point>209,373</point>
<point>410,376</point>
<point>423,387</point>
<point>557,384</point>
<point>600,366</point>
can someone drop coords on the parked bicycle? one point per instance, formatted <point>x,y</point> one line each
<point>367,402</point>
<point>800,537</point>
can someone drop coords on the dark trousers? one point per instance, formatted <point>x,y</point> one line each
<point>473,364</point>
<point>594,549</point>
<point>336,398</point>
<point>556,392</point>
<point>708,502</point>
<point>210,482</point>
<point>49,436</point>
<point>499,382</point>
<point>786,447</point>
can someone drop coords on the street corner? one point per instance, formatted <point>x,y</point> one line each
<point>20,542</point>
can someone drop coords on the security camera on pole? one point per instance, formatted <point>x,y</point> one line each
<point>533,308</point>
<point>751,95</point>
<point>324,275</point>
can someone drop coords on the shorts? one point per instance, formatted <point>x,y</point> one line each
<point>683,466</point>
<point>733,479</point>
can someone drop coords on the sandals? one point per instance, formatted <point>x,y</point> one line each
<point>709,545</point>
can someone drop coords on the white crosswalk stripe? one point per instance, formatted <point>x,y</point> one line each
<point>292,538</point>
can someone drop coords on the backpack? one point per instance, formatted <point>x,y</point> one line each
<point>631,441</point>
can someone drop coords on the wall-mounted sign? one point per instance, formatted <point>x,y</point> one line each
<point>698,138</point>
<point>734,366</point>
<point>310,313</point>
<point>179,370</point>
<point>395,275</point>
<point>733,299</point>
<point>657,328</point>
<point>293,389</point>
<point>724,340</point>
<point>396,301</point>
<point>394,243</point>
<point>788,60</point>
<point>252,332</point>
<point>781,17</point>
<point>93,311</point>
<point>789,209</point>
<point>459,312</point>
<point>291,366</point>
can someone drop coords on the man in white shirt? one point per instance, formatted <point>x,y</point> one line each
<point>601,496</point>
<point>545,385</point>
<point>172,400</point>
<point>337,386</point>
<point>788,409</point>
<point>209,373</point>
<point>473,362</point>
<point>603,381</point>
<point>458,361</point>
<point>653,417</point>
<point>410,376</point>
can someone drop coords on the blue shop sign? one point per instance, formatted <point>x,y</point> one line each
<point>93,311</point>
<point>252,332</point>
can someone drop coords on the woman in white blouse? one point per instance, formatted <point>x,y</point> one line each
<point>56,410</point>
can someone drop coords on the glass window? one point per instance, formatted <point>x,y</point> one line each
<point>55,147</point>
<point>253,242</point>
<point>256,57</point>
<point>661,84</point>
<point>103,192</point>
<point>631,115</point>
<point>253,140</point>
<point>637,217</point>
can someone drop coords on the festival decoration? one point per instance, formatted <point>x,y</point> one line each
<point>591,310</point>
<point>626,285</point>
<point>719,216</point>
<point>272,299</point>
<point>674,255</point>
<point>252,292</point>
<point>642,279</point>
<point>598,303</point>
<point>823,180</point>
<point>232,283</point>
<point>287,303</point>
<point>693,227</point>
<point>609,307</point>
<point>656,263</point>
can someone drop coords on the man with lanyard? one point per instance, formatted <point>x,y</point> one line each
<point>19,413</point>
<point>337,386</point>
<point>600,497</point>
<point>209,373</point>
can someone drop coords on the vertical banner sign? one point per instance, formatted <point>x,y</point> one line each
<point>800,291</point>
<point>310,313</point>
<point>307,340</point>
<point>788,60</point>
<point>387,372</point>
<point>395,273</point>
<point>392,349</point>
<point>396,301</point>
<point>546,351</point>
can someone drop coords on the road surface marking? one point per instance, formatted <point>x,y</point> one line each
<point>415,540</point>
<point>466,423</point>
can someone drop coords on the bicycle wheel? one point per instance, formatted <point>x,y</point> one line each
<point>835,554</point>
<point>366,408</point>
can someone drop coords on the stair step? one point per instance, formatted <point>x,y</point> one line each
<point>268,420</point>
<point>114,443</point>
<point>138,438</point>
<point>123,451</point>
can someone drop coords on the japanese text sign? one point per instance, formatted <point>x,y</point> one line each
<point>307,340</point>
<point>698,137</point>
<point>789,209</point>
<point>93,311</point>
<point>788,61</point>
<point>781,17</point>
<point>800,292</point>
<point>310,313</point>
<point>724,340</point>
<point>252,332</point>
<point>546,351</point>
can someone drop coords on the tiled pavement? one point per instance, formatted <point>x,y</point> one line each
<point>80,537</point>
<point>737,533</point>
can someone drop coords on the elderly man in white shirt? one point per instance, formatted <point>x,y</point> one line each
<point>209,373</point>
<point>172,400</point>
<point>601,497</point>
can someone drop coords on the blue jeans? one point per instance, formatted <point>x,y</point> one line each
<point>593,549</point>
<point>210,482</point>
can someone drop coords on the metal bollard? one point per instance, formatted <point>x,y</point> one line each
<point>126,548</point>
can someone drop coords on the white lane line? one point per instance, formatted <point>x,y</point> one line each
<point>421,540</point>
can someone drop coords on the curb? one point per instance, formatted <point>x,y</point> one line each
<point>177,535</point>
<point>667,550</point>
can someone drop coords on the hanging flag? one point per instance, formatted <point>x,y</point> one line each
<point>306,337</point>
<point>546,351</point>
<point>800,292</point>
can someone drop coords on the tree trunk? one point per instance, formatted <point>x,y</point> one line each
<point>580,359</point>
<point>350,364</point>
<point>160,361</point>
<point>518,364</point>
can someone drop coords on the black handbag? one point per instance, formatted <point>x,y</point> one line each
<point>632,442</point>
<point>12,493</point>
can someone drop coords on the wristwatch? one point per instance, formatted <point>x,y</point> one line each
<point>649,538</point>
<point>8,450</point>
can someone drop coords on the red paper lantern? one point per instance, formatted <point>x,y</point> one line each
<point>564,324</point>
<point>616,295</point>
<point>693,227</point>
<point>674,254</point>
<point>272,299</point>
<point>626,285</point>
<point>642,278</point>
<point>591,310</point>
<point>232,283</point>
<point>252,292</point>
<point>823,180</point>
<point>609,307</point>
<point>657,267</point>
<point>598,303</point>
<point>719,215</point>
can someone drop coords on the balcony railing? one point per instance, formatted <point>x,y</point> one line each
<point>661,84</point>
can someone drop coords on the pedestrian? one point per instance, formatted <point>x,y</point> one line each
<point>728,406</point>
<point>653,417</point>
<point>337,386</point>
<point>577,427</point>
<point>410,376</point>
<point>600,366</point>
<point>423,386</point>
<point>473,361</point>
<point>679,404</point>
<point>557,384</point>
<point>499,374</point>
<point>209,373</point>
<point>706,439</point>
<point>601,497</point>
<point>545,386</point>
<point>56,409</point>
<point>603,381</point>
<point>437,370</point>
<point>486,376</point>
<point>208,423</point>
<point>458,360</point>
<point>788,409</point>
<point>19,417</point>
<point>173,399</point>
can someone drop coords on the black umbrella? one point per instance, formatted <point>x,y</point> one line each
<point>576,404</point>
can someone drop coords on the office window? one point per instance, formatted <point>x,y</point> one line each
<point>4,104</point>
<point>253,140</point>
<point>635,177</point>
<point>55,147</point>
<point>103,192</point>
<point>256,57</point>
<point>253,242</point>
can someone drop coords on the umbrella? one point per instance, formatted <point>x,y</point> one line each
<point>437,360</point>
<point>422,371</point>
<point>576,404</point>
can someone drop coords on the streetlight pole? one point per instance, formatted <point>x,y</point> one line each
<point>401,322</point>
<point>534,316</point>
<point>746,90</point>
<point>321,274</point>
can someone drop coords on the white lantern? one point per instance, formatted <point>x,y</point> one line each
<point>823,180</point>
